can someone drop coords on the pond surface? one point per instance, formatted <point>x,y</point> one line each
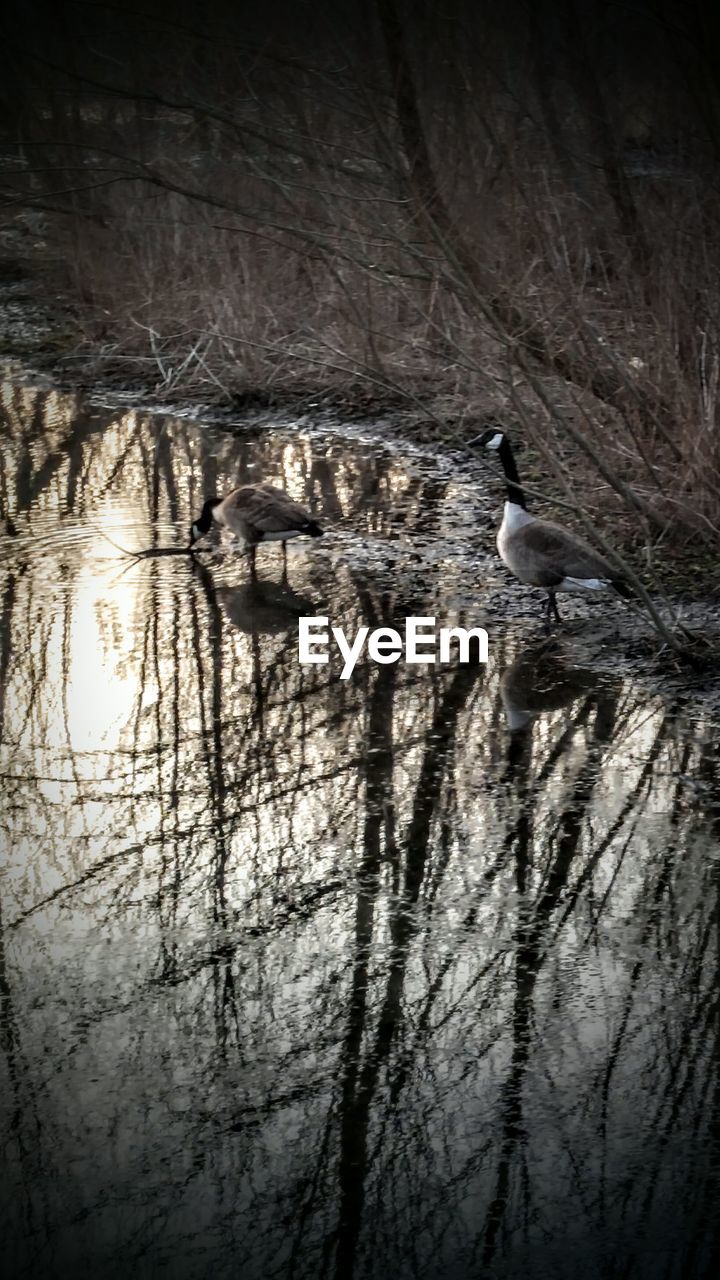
<point>415,974</point>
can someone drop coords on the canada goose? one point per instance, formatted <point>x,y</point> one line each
<point>539,552</point>
<point>256,513</point>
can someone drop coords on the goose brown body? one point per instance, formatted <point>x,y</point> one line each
<point>261,513</point>
<point>256,513</point>
<point>542,554</point>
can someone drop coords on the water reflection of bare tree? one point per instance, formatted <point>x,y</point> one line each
<point>552,686</point>
<point>428,986</point>
<point>408,853</point>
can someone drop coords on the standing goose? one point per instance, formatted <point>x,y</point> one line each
<point>256,513</point>
<point>539,552</point>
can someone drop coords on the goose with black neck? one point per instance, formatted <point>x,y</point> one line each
<point>541,553</point>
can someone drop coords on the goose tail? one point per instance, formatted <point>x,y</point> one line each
<point>313,528</point>
<point>623,588</point>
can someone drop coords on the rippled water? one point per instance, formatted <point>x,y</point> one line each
<point>410,975</point>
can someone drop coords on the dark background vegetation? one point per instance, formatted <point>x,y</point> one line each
<point>468,207</point>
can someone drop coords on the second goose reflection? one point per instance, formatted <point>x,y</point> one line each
<point>540,680</point>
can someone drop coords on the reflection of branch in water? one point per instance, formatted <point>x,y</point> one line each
<point>213,734</point>
<point>708,1228</point>
<point>6,643</point>
<point>32,484</point>
<point>65,665</point>
<point>359,1086</point>
<point>163,464</point>
<point>633,802</point>
<point>537,682</point>
<point>170,876</point>
<point>226,996</point>
<point>530,954</point>
<point>133,440</point>
<point>353,1120</point>
<point>681,1066</point>
<point>93,873</point>
<point>353,1114</point>
<point>21,1140</point>
<point>322,481</point>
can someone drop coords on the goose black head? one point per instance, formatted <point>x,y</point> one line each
<point>203,524</point>
<point>490,439</point>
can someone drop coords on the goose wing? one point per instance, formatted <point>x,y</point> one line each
<point>267,509</point>
<point>552,553</point>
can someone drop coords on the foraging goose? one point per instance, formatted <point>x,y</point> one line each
<point>256,513</point>
<point>539,552</point>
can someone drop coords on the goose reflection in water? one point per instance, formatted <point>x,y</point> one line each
<point>540,680</point>
<point>257,607</point>
<point>263,607</point>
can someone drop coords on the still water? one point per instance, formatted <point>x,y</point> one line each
<point>409,975</point>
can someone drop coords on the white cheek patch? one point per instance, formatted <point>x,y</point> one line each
<point>496,441</point>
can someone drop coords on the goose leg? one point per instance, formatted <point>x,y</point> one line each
<point>253,571</point>
<point>283,544</point>
<point>551,612</point>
